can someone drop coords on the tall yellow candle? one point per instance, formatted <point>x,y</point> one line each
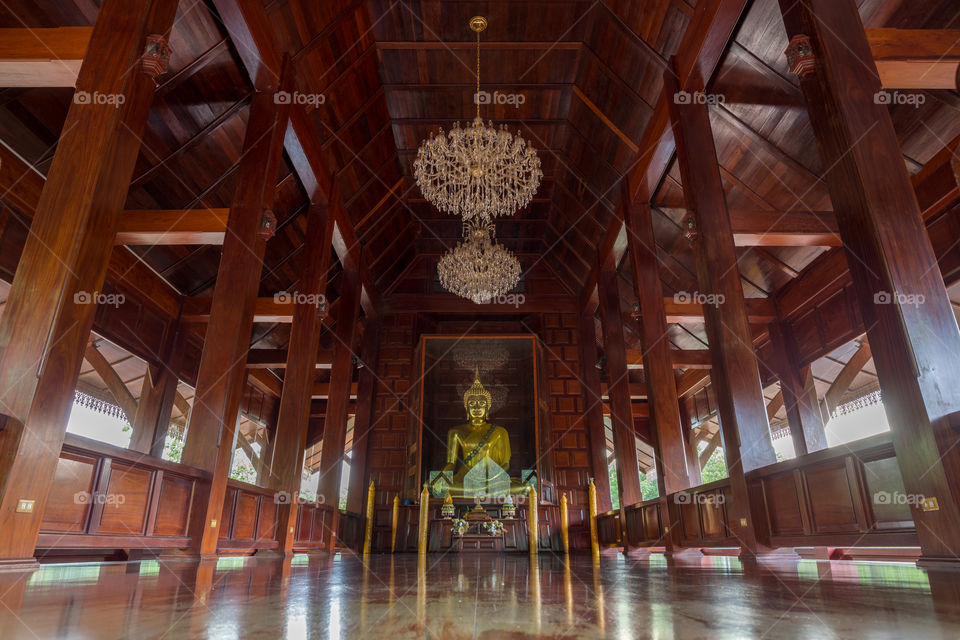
<point>368,530</point>
<point>394,522</point>
<point>564,524</point>
<point>532,520</point>
<point>594,538</point>
<point>424,521</point>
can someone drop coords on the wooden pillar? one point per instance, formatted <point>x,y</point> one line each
<point>341,378</point>
<point>212,430</point>
<point>799,393</point>
<point>593,411</point>
<point>157,396</point>
<point>290,440</point>
<point>673,464</point>
<point>734,373</point>
<point>47,319</point>
<point>366,387</point>
<point>618,388</point>
<point>910,325</point>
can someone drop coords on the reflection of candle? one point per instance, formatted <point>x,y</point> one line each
<point>535,588</point>
<point>598,594</point>
<point>422,589</point>
<point>568,589</point>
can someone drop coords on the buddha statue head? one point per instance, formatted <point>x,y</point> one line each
<point>476,400</point>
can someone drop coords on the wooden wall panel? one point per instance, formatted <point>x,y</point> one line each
<point>267,520</point>
<point>783,505</point>
<point>173,510</point>
<point>831,499</point>
<point>65,511</point>
<point>126,500</point>
<point>226,516</point>
<point>884,487</point>
<point>245,516</point>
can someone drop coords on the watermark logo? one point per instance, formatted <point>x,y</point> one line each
<point>317,300</point>
<point>696,297</point>
<point>698,97</point>
<point>285,497</point>
<point>105,299</point>
<point>514,300</point>
<point>112,99</point>
<point>497,97</point>
<point>899,98</point>
<point>699,498</point>
<point>298,97</point>
<point>898,498</point>
<point>85,497</point>
<point>902,299</point>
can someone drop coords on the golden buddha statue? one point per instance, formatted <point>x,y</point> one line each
<point>478,452</point>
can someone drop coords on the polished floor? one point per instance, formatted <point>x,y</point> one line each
<point>480,596</point>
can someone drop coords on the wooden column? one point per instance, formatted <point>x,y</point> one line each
<point>593,411</point>
<point>157,397</point>
<point>366,387</point>
<point>212,429</point>
<point>673,464</point>
<point>341,379</point>
<point>618,388</point>
<point>799,393</point>
<point>911,328</point>
<point>734,374</point>
<point>290,440</point>
<point>46,324</point>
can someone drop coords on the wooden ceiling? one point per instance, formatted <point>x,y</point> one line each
<point>392,72</point>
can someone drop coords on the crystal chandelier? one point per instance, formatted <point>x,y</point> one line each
<point>478,268</point>
<point>477,171</point>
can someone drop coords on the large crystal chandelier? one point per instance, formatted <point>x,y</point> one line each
<point>477,171</point>
<point>478,268</point>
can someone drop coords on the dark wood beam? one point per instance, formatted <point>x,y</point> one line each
<point>115,385</point>
<point>290,440</point>
<point>176,227</point>
<point>909,321</point>
<point>735,375</point>
<point>277,359</point>
<point>45,330</point>
<point>673,465</point>
<point>849,372</point>
<point>916,58</point>
<point>593,410</point>
<point>449,304</point>
<point>759,228</point>
<point>220,380</point>
<point>797,392</point>
<point>341,388</point>
<point>33,57</point>
<point>614,347</point>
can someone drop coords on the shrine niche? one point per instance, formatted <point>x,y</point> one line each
<point>478,429</point>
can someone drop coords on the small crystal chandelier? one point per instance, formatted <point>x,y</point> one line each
<point>478,268</point>
<point>477,171</point>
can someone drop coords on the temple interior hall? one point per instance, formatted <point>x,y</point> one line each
<point>631,319</point>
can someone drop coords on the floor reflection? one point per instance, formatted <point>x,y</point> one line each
<point>480,596</point>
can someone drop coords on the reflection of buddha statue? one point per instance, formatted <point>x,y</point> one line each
<point>478,452</point>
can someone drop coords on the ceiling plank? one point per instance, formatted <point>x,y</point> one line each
<point>115,385</point>
<point>916,58</point>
